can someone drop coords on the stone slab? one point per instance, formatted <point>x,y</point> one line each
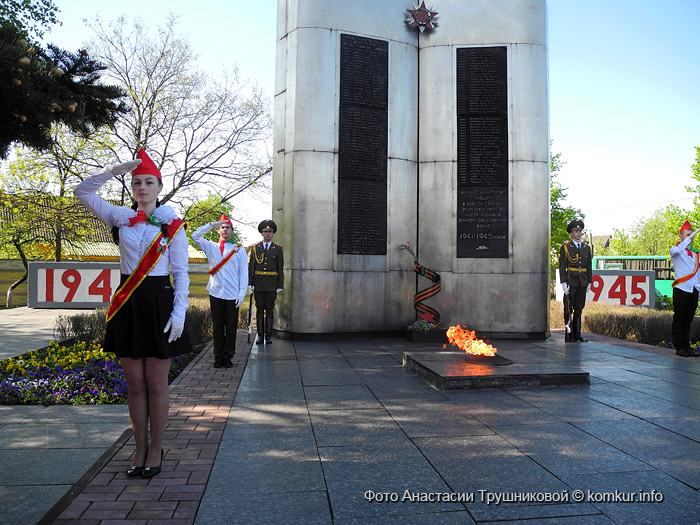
<point>451,371</point>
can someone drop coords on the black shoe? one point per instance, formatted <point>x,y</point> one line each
<point>228,363</point>
<point>268,341</point>
<point>219,363</point>
<point>259,340</point>
<point>581,339</point>
<point>149,472</point>
<point>682,351</point>
<point>133,471</point>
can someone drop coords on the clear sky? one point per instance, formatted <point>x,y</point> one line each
<point>624,79</point>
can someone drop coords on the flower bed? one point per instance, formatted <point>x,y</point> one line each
<point>78,374</point>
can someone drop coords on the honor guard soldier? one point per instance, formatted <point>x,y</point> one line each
<point>685,290</point>
<point>266,278</point>
<point>575,274</point>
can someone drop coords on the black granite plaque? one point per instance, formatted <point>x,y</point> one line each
<point>364,71</point>
<point>482,152</point>
<point>362,150</point>
<point>482,221</point>
<point>362,217</point>
<point>362,146</point>
<point>482,85</point>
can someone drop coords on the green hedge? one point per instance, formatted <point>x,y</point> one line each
<point>642,325</point>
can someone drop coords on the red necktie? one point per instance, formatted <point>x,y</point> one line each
<point>221,246</point>
<point>140,217</point>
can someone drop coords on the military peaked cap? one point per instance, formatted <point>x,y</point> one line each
<point>268,223</point>
<point>576,223</point>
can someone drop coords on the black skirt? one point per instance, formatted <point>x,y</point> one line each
<point>136,330</point>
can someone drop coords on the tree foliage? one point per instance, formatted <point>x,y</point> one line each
<point>208,210</point>
<point>653,235</point>
<point>28,17</point>
<point>41,87</point>
<point>201,133</point>
<point>42,182</point>
<point>561,215</point>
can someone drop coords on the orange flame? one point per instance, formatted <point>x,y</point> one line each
<point>467,341</point>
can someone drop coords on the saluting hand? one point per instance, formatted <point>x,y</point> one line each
<point>218,224</point>
<point>124,167</point>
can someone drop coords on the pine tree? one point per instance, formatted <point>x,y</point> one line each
<point>41,87</point>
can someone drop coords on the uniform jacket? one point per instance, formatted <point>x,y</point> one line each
<point>575,265</point>
<point>265,268</point>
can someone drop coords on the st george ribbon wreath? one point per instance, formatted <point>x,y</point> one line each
<point>427,313</point>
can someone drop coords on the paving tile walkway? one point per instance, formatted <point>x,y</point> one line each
<point>317,426</point>
<point>201,399</point>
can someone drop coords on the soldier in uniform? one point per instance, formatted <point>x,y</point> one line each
<point>266,278</point>
<point>575,274</point>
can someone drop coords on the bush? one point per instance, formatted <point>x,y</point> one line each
<point>243,313</point>
<point>641,325</point>
<point>199,321</point>
<point>91,327</point>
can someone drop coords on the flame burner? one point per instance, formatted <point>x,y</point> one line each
<point>480,367</point>
<point>478,351</point>
<point>487,360</point>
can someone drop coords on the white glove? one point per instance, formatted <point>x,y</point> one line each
<point>175,330</point>
<point>124,167</point>
<point>217,224</point>
<point>278,290</point>
<point>565,287</point>
<point>588,288</point>
<point>239,301</point>
<point>251,288</point>
<point>692,234</point>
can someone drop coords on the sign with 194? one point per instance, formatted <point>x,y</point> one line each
<point>72,284</point>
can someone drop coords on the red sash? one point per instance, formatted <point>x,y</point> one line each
<point>145,265</point>
<point>690,275</point>
<point>224,260</point>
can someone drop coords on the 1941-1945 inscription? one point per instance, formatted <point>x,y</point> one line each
<point>362,146</point>
<point>482,153</point>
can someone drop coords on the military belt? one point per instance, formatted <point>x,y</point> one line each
<point>265,273</point>
<point>576,269</point>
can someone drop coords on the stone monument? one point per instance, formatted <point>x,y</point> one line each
<point>385,134</point>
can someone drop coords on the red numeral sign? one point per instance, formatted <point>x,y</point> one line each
<point>71,279</point>
<point>620,289</point>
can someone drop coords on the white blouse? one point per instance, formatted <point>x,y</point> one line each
<point>135,240</point>
<point>231,281</point>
